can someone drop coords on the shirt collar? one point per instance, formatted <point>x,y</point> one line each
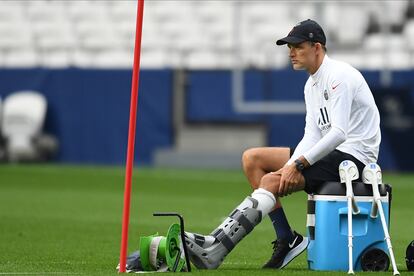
<point>316,76</point>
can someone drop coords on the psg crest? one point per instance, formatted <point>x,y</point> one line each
<point>325,94</point>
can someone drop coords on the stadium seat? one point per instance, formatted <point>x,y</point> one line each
<point>152,58</point>
<point>21,58</point>
<point>11,12</point>
<point>15,36</point>
<point>399,60</point>
<point>125,10</point>
<point>55,59</point>
<point>23,117</point>
<point>351,57</point>
<point>374,60</point>
<point>375,42</point>
<point>208,59</point>
<point>87,11</point>
<point>409,34</point>
<point>350,29</point>
<point>82,58</point>
<point>113,59</point>
<point>45,11</point>
<point>395,11</point>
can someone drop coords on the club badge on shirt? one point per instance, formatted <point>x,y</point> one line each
<point>325,94</point>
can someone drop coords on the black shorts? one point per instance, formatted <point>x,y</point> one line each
<point>326,169</point>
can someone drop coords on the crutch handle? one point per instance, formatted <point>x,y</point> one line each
<point>374,210</point>
<point>355,208</point>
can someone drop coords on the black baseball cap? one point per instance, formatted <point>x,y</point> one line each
<point>307,30</point>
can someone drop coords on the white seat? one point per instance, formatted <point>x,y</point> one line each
<point>21,59</point>
<point>306,10</point>
<point>395,11</point>
<point>81,58</point>
<point>351,27</point>
<point>56,59</point>
<point>408,33</point>
<point>375,42</point>
<point>396,42</point>
<point>88,11</point>
<point>23,118</point>
<point>57,35</point>
<point>11,11</point>
<point>99,35</point>
<point>92,27</point>
<point>56,42</point>
<point>113,59</point>
<point>45,11</point>
<point>352,57</point>
<point>170,11</point>
<point>207,59</point>
<point>265,11</point>
<point>213,11</point>
<point>373,61</point>
<point>154,59</point>
<point>399,60</point>
<point>15,36</point>
<point>126,11</point>
<point>101,42</point>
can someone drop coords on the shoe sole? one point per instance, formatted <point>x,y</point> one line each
<point>295,252</point>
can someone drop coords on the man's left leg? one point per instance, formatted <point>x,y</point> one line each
<point>257,164</point>
<point>291,244</point>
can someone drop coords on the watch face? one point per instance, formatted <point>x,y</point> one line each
<point>299,165</point>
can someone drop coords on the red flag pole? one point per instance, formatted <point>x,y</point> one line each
<point>131,136</point>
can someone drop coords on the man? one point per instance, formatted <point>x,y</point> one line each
<point>342,123</point>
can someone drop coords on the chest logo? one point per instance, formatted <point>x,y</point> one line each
<point>323,121</point>
<point>325,94</point>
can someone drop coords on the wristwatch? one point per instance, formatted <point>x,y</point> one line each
<point>299,165</point>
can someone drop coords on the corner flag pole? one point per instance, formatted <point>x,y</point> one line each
<point>131,136</point>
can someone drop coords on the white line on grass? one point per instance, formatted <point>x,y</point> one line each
<point>38,273</point>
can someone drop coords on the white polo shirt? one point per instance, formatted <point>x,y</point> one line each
<point>340,114</point>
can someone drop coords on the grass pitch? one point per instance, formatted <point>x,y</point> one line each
<point>66,220</point>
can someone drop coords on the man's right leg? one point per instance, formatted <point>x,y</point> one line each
<point>208,252</point>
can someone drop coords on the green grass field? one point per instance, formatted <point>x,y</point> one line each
<point>57,220</point>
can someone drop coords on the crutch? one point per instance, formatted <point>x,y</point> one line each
<point>372,175</point>
<point>348,171</point>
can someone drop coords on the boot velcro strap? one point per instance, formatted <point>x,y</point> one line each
<point>244,222</point>
<point>199,239</point>
<point>224,239</point>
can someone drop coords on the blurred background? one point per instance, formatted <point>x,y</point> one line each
<point>213,83</point>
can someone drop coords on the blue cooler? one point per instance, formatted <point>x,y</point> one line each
<point>327,226</point>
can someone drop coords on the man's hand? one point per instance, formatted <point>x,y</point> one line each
<point>289,180</point>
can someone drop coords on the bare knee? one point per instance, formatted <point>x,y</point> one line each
<point>270,182</point>
<point>251,159</point>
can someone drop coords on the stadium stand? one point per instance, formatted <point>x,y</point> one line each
<point>197,34</point>
<point>189,51</point>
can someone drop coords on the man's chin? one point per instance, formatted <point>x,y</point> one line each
<point>297,67</point>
